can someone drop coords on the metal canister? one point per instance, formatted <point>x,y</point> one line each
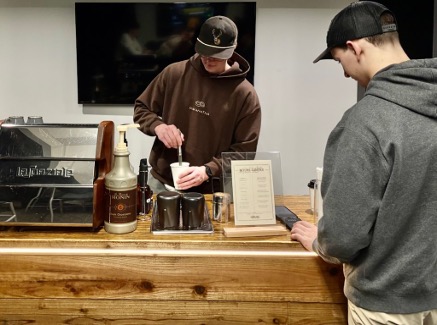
<point>193,210</point>
<point>15,120</point>
<point>221,206</point>
<point>169,210</point>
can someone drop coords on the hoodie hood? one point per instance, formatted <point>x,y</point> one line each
<point>239,67</point>
<point>411,84</point>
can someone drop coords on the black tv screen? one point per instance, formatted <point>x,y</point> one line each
<point>121,47</point>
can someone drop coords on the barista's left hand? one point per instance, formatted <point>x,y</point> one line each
<point>191,177</point>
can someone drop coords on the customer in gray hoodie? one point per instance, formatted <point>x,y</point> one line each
<point>379,184</point>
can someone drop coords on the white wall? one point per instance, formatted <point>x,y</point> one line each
<point>301,101</point>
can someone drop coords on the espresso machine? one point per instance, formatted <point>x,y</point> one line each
<point>53,174</point>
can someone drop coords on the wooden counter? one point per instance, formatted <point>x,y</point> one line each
<point>72,276</point>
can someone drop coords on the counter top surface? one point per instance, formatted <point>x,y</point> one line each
<point>142,238</point>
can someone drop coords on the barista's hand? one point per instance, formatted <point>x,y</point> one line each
<point>305,233</point>
<point>191,177</point>
<point>169,135</point>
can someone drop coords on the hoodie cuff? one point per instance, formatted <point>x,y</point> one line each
<point>329,259</point>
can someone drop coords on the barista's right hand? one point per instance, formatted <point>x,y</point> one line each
<point>169,135</point>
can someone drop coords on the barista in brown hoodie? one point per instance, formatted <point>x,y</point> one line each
<point>204,104</point>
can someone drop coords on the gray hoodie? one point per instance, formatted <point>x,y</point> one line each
<point>380,192</point>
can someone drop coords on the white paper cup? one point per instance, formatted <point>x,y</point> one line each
<point>176,169</point>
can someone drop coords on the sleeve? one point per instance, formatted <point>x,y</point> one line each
<point>247,129</point>
<point>326,258</point>
<point>149,105</point>
<point>355,174</point>
<point>246,133</point>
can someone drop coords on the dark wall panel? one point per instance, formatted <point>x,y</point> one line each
<point>416,21</point>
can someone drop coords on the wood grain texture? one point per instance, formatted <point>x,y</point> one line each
<point>84,311</point>
<point>61,276</point>
<point>274,230</point>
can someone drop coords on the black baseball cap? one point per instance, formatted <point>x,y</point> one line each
<point>358,20</point>
<point>217,38</point>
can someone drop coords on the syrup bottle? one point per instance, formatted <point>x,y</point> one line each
<point>121,189</point>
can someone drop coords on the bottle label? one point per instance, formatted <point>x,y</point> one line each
<point>122,206</point>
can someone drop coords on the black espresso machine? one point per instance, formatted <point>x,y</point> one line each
<point>53,174</point>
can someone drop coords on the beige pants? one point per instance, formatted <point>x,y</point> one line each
<point>360,316</point>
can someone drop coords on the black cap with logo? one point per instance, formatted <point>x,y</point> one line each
<point>358,20</point>
<point>217,38</point>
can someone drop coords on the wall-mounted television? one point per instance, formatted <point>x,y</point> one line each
<point>121,47</point>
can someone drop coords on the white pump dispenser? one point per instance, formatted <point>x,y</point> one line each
<point>121,189</point>
<point>122,128</point>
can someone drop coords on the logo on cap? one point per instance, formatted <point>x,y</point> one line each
<point>216,37</point>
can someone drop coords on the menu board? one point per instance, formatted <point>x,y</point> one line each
<point>252,186</point>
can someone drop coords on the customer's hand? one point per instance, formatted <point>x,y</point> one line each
<point>192,176</point>
<point>305,233</point>
<point>169,135</point>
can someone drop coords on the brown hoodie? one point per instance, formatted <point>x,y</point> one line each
<point>216,113</point>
